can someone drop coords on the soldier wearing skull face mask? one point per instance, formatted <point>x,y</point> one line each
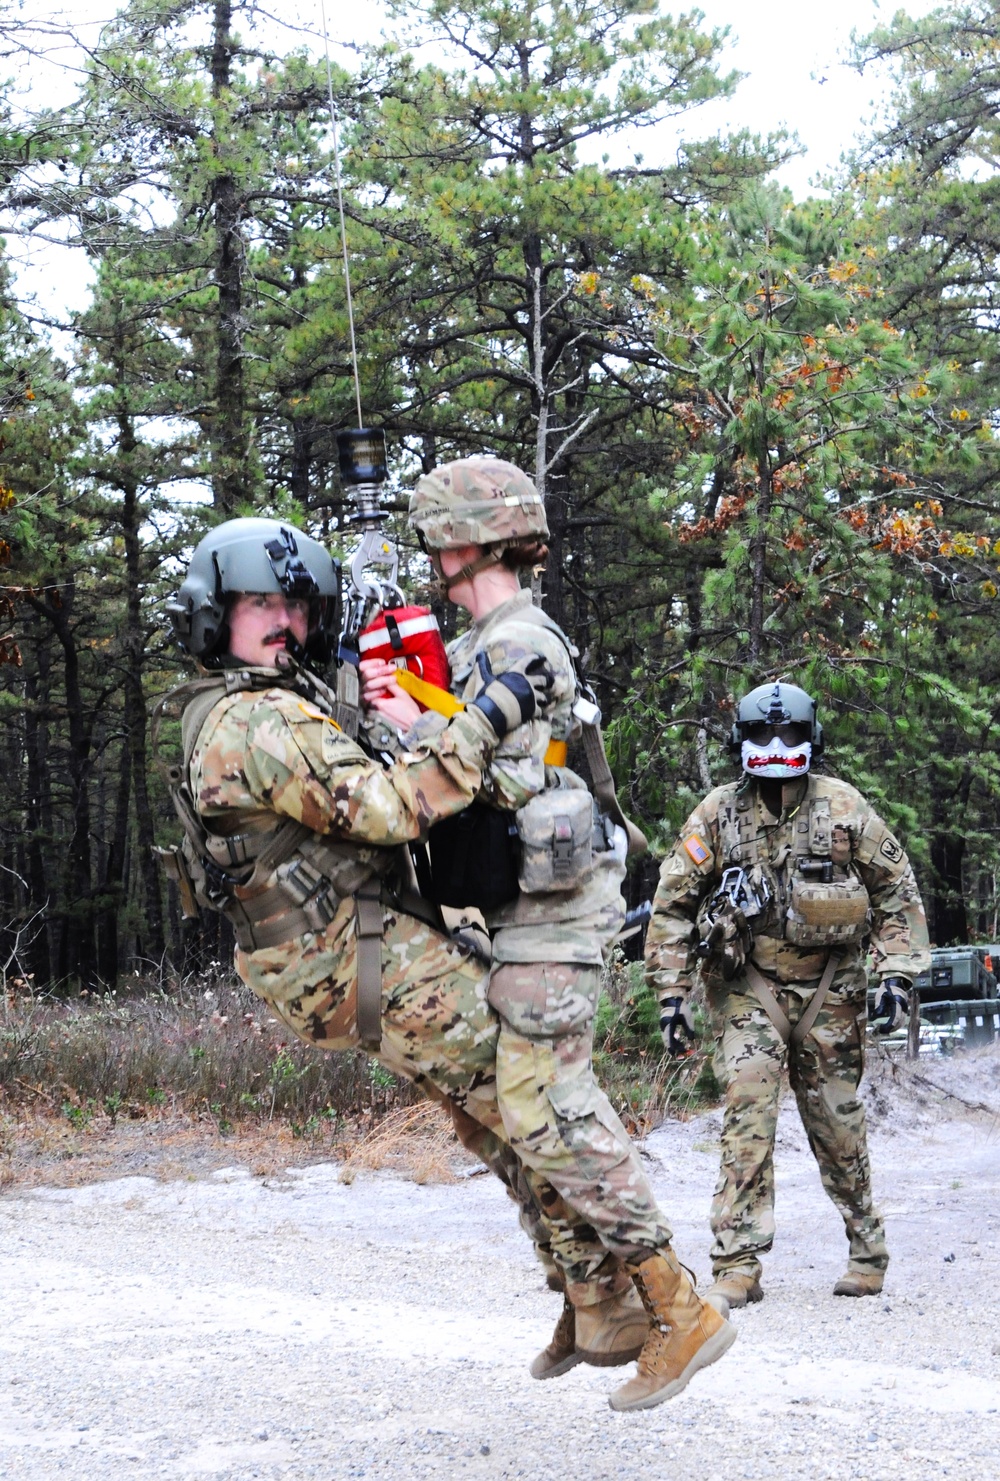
<point>774,890</point>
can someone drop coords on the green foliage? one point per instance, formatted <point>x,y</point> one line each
<point>765,430</point>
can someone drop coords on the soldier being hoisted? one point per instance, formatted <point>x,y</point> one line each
<point>779,882</point>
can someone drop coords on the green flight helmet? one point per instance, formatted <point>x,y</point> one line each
<point>255,555</point>
<point>476,501</point>
<point>776,704</point>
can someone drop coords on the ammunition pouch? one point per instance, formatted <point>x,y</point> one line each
<point>834,911</point>
<point>301,892</point>
<point>557,833</point>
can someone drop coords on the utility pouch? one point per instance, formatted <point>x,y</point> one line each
<point>556,830</point>
<point>827,912</point>
<point>474,859</point>
<point>175,867</point>
<point>306,887</point>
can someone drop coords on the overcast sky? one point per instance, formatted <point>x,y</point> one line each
<point>793,54</point>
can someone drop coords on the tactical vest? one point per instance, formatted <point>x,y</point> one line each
<point>277,880</point>
<point>817,901</point>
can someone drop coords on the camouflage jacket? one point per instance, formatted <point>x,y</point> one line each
<point>568,926</point>
<point>860,843</point>
<point>271,752</point>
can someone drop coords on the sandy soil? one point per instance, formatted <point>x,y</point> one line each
<point>227,1324</point>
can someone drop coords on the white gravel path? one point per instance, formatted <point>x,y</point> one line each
<point>296,1326</point>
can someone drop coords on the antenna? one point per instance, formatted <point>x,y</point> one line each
<point>362,453</point>
<point>340,208</point>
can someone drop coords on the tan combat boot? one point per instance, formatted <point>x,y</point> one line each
<point>606,1332</point>
<point>561,1353</point>
<point>687,1334</point>
<point>733,1289</point>
<point>612,1331</point>
<point>860,1283</point>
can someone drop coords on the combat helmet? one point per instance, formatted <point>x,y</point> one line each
<point>476,501</point>
<point>768,707</point>
<point>255,555</point>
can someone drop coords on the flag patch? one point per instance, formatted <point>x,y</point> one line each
<point>696,850</point>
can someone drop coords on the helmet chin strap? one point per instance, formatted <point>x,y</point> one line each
<point>492,556</point>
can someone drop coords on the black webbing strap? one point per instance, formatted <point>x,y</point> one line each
<point>368,918</point>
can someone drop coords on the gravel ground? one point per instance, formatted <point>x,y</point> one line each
<point>295,1325</point>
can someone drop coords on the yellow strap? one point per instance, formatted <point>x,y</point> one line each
<point>445,703</point>
<point>430,695</point>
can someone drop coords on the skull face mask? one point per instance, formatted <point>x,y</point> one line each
<point>776,758</point>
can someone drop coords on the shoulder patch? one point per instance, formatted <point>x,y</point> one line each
<point>891,849</point>
<point>697,850</point>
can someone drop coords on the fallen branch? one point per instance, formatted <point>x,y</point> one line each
<point>35,1090</point>
<point>972,1105</point>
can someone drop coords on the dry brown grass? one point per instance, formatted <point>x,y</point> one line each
<point>416,1141</point>
<point>42,1149</point>
<point>203,1048</point>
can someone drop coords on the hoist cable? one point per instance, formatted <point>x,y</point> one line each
<point>340,208</point>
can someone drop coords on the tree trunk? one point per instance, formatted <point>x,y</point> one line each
<point>230,441</point>
<point>77,957</point>
<point>765,492</point>
<point>39,817</point>
<point>948,917</point>
<point>135,722</point>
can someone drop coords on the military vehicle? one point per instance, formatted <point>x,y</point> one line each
<point>959,1000</point>
<point>959,972</point>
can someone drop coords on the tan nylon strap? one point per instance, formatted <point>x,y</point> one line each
<point>801,1030</point>
<point>765,997</point>
<point>369,928</point>
<point>767,1000</point>
<point>252,935</point>
<point>604,789</point>
<point>282,846</point>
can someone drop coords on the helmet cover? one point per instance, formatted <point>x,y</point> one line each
<point>255,555</point>
<point>476,501</point>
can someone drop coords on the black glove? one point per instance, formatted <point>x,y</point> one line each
<point>892,1004</point>
<point>516,696</point>
<point>677,1025</point>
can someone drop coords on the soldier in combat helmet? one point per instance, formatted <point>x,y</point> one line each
<point>778,883</point>
<point>293,831</point>
<point>482,521</point>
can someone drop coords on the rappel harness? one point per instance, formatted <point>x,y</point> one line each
<point>815,902</point>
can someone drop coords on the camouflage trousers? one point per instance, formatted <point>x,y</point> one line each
<point>555,1116</point>
<point>824,1071</point>
<point>439,1032</point>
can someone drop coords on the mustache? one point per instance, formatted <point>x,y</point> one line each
<point>278,635</point>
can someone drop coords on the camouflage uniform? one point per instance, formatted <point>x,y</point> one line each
<point>266,752</point>
<point>733,826</point>
<point>548,951</point>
